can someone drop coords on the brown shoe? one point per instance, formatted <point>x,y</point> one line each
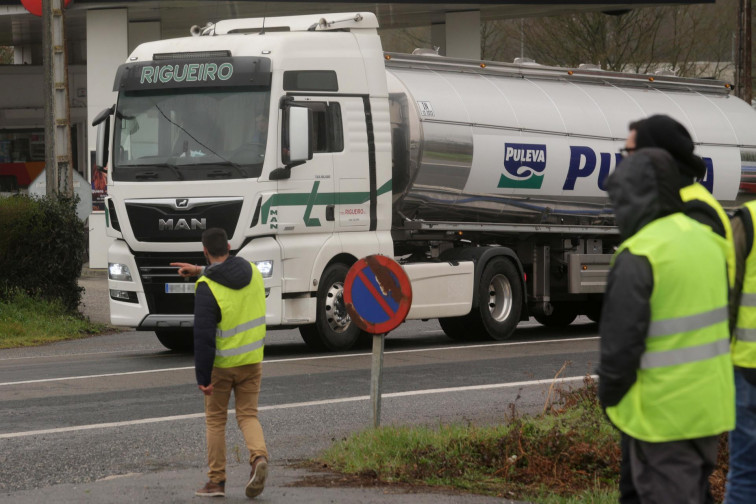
<point>256,482</point>
<point>212,490</point>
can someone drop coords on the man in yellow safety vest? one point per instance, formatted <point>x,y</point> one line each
<point>741,479</point>
<point>665,374</point>
<point>229,340</point>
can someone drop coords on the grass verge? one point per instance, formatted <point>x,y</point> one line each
<point>31,321</point>
<point>568,454</point>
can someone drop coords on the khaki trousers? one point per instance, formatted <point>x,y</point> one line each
<point>245,382</point>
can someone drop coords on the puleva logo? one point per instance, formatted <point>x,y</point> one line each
<point>522,164</point>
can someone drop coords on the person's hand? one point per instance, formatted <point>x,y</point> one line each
<point>187,270</point>
<point>206,390</point>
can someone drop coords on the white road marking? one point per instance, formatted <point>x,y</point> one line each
<point>278,361</point>
<point>111,425</point>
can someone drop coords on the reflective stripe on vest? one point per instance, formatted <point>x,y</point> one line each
<point>696,191</point>
<point>240,328</point>
<point>684,387</point>
<point>240,336</point>
<point>744,341</point>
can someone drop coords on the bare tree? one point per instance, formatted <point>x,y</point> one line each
<point>691,40</point>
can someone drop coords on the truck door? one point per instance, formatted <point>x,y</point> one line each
<point>306,200</point>
<point>351,166</point>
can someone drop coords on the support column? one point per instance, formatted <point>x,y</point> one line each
<point>463,34</point>
<point>143,31</point>
<point>438,37</point>
<point>107,48</point>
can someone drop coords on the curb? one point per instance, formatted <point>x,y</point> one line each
<point>88,272</point>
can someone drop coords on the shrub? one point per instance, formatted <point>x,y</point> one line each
<point>42,245</point>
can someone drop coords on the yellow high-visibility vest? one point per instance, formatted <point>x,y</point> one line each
<point>744,336</point>
<point>696,191</point>
<point>685,385</point>
<point>240,337</point>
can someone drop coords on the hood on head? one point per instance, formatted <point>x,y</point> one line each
<point>664,132</point>
<point>234,272</point>
<point>644,187</point>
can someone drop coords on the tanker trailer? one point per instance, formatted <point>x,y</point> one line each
<point>495,155</point>
<point>313,148</point>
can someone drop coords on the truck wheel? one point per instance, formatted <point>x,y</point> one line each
<point>454,328</point>
<point>310,336</point>
<point>333,329</point>
<point>499,301</point>
<point>179,340</point>
<point>562,316</point>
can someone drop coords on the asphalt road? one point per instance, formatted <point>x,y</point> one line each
<point>111,414</point>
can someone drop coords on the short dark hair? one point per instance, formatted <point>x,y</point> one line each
<point>215,241</point>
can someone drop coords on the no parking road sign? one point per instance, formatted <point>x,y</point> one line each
<point>377,294</point>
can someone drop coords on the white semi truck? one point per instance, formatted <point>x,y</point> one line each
<point>312,148</point>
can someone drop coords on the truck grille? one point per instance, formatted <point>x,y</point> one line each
<point>163,220</point>
<point>155,272</point>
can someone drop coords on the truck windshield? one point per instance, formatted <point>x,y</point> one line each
<point>190,134</point>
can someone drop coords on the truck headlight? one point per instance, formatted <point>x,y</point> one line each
<point>118,271</point>
<point>265,267</point>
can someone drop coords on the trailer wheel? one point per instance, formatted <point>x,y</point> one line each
<point>333,329</point>
<point>562,316</point>
<point>178,340</point>
<point>593,310</point>
<point>499,301</point>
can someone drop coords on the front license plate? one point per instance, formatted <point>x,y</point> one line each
<point>179,288</point>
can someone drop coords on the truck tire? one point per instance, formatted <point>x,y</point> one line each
<point>454,328</point>
<point>178,340</point>
<point>333,329</point>
<point>562,316</point>
<point>593,311</point>
<point>499,301</point>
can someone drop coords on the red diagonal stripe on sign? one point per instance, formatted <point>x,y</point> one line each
<point>377,295</point>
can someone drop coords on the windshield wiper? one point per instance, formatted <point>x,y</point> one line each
<point>147,175</point>
<point>224,173</point>
<point>172,166</point>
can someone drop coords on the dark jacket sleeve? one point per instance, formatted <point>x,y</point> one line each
<point>206,318</point>
<point>740,243</point>
<point>625,318</point>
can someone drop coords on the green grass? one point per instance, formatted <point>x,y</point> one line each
<point>588,496</point>
<point>29,321</point>
<point>569,454</point>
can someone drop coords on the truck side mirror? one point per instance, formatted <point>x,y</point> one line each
<point>296,139</point>
<point>299,126</point>
<point>102,121</point>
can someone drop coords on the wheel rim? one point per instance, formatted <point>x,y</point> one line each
<point>500,298</point>
<point>336,314</point>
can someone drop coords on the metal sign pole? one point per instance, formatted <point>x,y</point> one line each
<point>377,297</point>
<point>376,378</point>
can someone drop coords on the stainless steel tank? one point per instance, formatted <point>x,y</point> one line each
<point>491,142</point>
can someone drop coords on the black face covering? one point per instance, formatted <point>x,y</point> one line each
<point>664,132</point>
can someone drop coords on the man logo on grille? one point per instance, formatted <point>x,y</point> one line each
<point>182,203</point>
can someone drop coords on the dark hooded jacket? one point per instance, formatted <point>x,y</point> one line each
<point>666,133</point>
<point>234,273</point>
<point>643,188</point>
